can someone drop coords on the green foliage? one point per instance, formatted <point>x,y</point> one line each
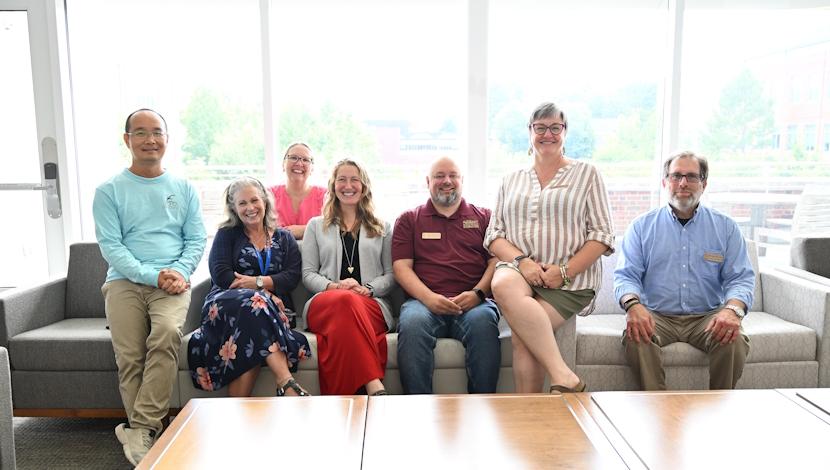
<point>331,133</point>
<point>220,132</point>
<point>204,118</point>
<point>743,119</point>
<point>634,140</point>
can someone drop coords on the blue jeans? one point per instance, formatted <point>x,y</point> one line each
<point>478,331</point>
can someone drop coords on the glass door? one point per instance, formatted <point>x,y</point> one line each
<point>32,247</point>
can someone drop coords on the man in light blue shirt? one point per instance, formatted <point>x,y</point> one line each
<point>684,275</point>
<point>149,227</point>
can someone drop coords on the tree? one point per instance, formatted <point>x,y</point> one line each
<point>634,139</point>
<point>204,118</point>
<point>743,119</point>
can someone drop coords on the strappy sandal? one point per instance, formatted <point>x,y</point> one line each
<point>580,387</point>
<point>380,393</point>
<point>293,385</point>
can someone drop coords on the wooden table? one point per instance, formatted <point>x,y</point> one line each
<point>483,431</point>
<point>717,429</point>
<point>788,428</point>
<point>290,433</point>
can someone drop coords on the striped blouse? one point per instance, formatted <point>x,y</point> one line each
<point>552,224</point>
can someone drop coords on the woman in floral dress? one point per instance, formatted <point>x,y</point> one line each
<point>253,266</point>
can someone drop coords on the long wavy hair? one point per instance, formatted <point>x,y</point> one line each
<point>269,222</point>
<point>333,213</point>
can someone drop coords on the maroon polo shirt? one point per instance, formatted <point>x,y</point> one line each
<point>447,252</point>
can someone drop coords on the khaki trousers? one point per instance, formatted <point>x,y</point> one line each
<point>146,327</point>
<point>726,362</point>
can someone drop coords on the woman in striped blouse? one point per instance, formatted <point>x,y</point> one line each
<point>550,226</point>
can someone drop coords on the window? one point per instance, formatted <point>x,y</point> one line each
<point>603,65</point>
<point>381,82</point>
<point>810,137</point>
<point>761,88</point>
<point>167,55</point>
<point>826,133</point>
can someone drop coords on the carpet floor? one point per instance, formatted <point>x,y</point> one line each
<point>67,443</point>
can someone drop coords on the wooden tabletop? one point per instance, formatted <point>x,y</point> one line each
<point>482,431</point>
<point>286,432</point>
<point>711,429</point>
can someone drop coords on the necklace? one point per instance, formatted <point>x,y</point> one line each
<point>349,258</point>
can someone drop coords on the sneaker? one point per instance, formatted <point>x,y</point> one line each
<point>136,442</point>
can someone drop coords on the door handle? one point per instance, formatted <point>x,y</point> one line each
<point>50,184</point>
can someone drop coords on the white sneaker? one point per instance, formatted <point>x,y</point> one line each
<point>136,442</point>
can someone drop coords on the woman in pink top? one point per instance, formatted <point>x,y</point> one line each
<point>296,201</point>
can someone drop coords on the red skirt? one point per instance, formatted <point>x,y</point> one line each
<point>351,340</point>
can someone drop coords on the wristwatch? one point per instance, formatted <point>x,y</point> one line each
<point>480,293</point>
<point>627,298</point>
<point>741,313</point>
<point>259,283</point>
<point>519,258</point>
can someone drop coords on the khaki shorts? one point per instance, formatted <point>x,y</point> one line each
<point>566,302</point>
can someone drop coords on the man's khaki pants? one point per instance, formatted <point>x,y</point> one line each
<point>726,361</point>
<point>146,327</point>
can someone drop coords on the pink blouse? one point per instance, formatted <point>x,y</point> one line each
<point>310,207</point>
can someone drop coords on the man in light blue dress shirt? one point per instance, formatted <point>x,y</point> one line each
<point>684,275</point>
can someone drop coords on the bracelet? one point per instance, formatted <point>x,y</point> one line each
<point>563,270</point>
<point>630,303</point>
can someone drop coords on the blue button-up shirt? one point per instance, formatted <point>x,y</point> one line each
<point>677,269</point>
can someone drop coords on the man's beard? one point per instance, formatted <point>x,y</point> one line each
<point>445,200</point>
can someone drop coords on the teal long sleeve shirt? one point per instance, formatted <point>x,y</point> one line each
<point>146,224</point>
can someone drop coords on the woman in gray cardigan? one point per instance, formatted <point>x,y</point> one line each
<point>347,264</point>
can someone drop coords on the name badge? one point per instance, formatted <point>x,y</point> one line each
<point>430,235</point>
<point>714,257</point>
<point>470,223</point>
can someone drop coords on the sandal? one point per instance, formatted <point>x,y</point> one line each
<point>380,393</point>
<point>580,387</point>
<point>293,385</point>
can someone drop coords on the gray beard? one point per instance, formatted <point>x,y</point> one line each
<point>445,201</point>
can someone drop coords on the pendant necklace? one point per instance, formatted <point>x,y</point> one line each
<point>349,258</point>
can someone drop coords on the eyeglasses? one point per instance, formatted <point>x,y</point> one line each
<point>144,135</point>
<point>691,178</point>
<point>555,129</point>
<point>297,158</point>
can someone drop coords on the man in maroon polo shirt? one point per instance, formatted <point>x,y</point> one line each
<point>440,261</point>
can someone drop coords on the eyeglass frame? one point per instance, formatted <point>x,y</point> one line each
<point>156,134</point>
<point>547,128</point>
<point>691,178</point>
<point>298,158</point>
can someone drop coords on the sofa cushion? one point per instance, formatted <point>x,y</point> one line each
<point>86,273</point>
<point>771,340</point>
<point>69,345</point>
<point>449,353</point>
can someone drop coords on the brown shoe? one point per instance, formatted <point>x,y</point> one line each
<point>580,387</point>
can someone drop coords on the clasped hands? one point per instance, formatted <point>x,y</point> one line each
<point>172,282</point>
<point>352,285</point>
<point>540,274</point>
<point>440,305</point>
<point>249,282</point>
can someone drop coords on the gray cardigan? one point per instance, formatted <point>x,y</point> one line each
<point>323,256</point>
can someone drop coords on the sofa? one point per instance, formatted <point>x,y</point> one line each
<point>62,362</point>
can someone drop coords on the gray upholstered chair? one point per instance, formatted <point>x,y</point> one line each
<point>811,254</point>
<point>6,428</point>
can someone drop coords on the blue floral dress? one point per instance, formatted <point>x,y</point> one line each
<point>240,327</point>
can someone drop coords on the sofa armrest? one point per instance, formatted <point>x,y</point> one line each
<point>29,308</point>
<point>199,290</point>
<point>804,302</point>
<point>7,459</point>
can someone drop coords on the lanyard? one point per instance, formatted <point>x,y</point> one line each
<point>263,267</point>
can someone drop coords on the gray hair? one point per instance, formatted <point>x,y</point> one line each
<point>701,161</point>
<point>229,196</point>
